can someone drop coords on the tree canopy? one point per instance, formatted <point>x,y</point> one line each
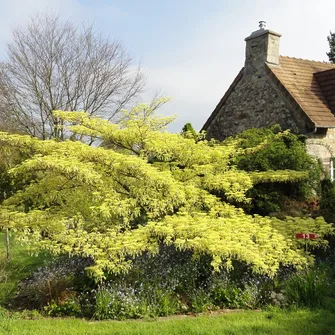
<point>188,131</point>
<point>331,41</point>
<point>144,188</point>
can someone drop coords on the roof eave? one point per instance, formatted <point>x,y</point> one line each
<point>323,126</point>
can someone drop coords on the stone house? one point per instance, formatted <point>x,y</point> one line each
<point>271,89</point>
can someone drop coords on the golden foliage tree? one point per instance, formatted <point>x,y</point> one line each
<point>142,188</point>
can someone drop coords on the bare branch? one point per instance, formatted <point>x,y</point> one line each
<point>54,65</point>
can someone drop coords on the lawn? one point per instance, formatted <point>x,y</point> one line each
<point>302,322</point>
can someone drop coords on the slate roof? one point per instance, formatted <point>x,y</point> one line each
<point>311,85</point>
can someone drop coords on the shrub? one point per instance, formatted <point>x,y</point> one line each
<point>229,295</point>
<point>200,301</point>
<point>53,283</point>
<point>119,301</point>
<point>279,151</point>
<point>171,269</point>
<point>170,282</point>
<point>30,315</point>
<point>327,202</point>
<point>69,307</point>
<point>6,285</point>
<point>314,288</point>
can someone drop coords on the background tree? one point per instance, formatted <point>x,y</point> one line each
<point>188,131</point>
<point>7,119</point>
<point>331,41</point>
<point>57,65</point>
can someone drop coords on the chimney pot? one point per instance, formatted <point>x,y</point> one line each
<point>262,24</point>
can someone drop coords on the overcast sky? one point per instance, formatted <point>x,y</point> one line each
<point>189,50</point>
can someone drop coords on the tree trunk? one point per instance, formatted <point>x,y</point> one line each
<point>7,244</point>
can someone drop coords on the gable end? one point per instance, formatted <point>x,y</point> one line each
<point>217,109</point>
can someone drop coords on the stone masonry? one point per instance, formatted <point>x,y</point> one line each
<point>254,103</point>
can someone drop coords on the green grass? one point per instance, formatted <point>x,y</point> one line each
<point>21,265</point>
<point>302,322</point>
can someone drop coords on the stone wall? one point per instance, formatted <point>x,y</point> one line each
<point>322,146</point>
<point>255,102</point>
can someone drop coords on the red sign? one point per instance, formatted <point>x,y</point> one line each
<point>306,236</point>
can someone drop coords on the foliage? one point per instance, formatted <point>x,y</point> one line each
<point>68,307</point>
<point>327,201</point>
<point>8,159</point>
<point>170,282</point>
<point>331,41</point>
<point>167,283</point>
<point>118,301</point>
<point>147,188</point>
<point>269,149</point>
<point>20,265</point>
<point>52,285</point>
<point>4,270</point>
<point>188,131</point>
<point>314,288</point>
<point>232,296</point>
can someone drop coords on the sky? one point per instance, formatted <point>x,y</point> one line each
<point>190,51</point>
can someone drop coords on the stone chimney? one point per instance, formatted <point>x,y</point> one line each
<point>262,47</point>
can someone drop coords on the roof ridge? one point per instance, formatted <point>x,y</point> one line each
<point>309,60</point>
